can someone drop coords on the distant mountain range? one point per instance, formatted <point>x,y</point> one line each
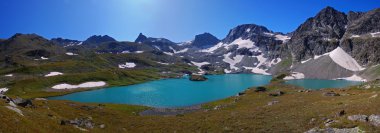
<point>330,45</point>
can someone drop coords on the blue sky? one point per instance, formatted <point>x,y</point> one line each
<point>177,20</point>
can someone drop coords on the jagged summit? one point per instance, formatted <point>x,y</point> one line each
<point>98,39</point>
<point>141,38</point>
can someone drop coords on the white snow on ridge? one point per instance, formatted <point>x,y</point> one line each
<point>233,61</point>
<point>282,38</point>
<point>213,48</point>
<point>83,85</point>
<point>70,53</point>
<point>354,36</point>
<point>138,52</point>
<point>375,34</point>
<point>200,64</point>
<point>162,63</point>
<point>257,70</point>
<point>53,74</point>
<point>353,78</point>
<point>295,75</point>
<point>127,65</point>
<point>243,43</point>
<point>305,61</point>
<point>3,90</point>
<point>340,57</point>
<point>248,30</point>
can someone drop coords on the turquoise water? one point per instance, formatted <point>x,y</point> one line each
<point>322,84</point>
<point>172,92</point>
<point>182,92</point>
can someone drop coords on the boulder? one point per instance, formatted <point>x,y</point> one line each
<point>197,78</point>
<point>272,103</point>
<point>374,120</point>
<point>23,102</point>
<point>361,118</point>
<point>80,122</point>
<point>330,94</point>
<point>276,93</point>
<point>260,89</point>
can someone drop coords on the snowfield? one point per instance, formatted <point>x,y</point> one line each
<point>127,65</point>
<point>257,70</point>
<point>233,61</point>
<point>354,78</point>
<point>340,57</point>
<point>295,75</point>
<point>53,74</point>
<point>200,64</point>
<point>282,38</point>
<point>243,43</point>
<point>71,54</point>
<point>83,85</point>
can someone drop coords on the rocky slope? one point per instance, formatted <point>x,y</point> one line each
<point>355,35</point>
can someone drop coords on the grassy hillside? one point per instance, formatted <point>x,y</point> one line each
<point>295,111</point>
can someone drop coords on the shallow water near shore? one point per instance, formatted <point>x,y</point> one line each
<point>169,93</point>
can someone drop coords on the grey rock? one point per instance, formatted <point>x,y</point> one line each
<point>331,94</point>
<point>374,120</point>
<point>361,118</point>
<point>273,102</point>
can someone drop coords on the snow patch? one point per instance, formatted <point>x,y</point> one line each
<point>162,63</point>
<point>353,78</point>
<point>213,48</point>
<point>305,61</point>
<point>243,43</point>
<point>53,74</point>
<point>127,65</point>
<point>83,85</point>
<point>340,57</point>
<point>125,52</point>
<point>257,70</point>
<point>248,30</point>
<point>200,64</point>
<point>233,61</point>
<point>282,38</point>
<point>3,90</point>
<point>354,36</point>
<point>139,52</point>
<point>375,34</point>
<point>295,75</point>
<point>70,53</point>
<point>9,75</point>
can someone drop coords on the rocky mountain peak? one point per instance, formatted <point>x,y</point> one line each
<point>97,39</point>
<point>141,38</point>
<point>205,40</point>
<point>245,31</point>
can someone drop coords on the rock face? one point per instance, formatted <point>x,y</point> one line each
<point>357,34</point>
<point>197,78</point>
<point>318,35</point>
<point>204,40</point>
<point>65,42</point>
<point>160,44</point>
<point>247,48</point>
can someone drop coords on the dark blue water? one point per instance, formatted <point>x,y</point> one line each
<point>182,92</point>
<point>322,84</point>
<point>172,92</point>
